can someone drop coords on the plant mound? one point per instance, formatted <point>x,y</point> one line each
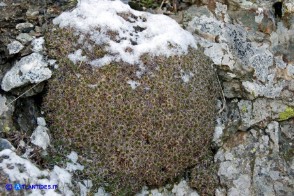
<point>129,136</point>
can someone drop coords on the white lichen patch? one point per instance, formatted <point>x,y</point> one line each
<point>134,31</point>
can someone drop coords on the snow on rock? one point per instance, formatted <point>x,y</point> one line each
<point>30,69</point>
<point>20,170</point>
<point>40,136</point>
<point>14,47</point>
<point>136,33</point>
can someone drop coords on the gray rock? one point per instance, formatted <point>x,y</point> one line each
<point>30,69</point>
<point>5,144</point>
<point>14,47</point>
<point>26,114</point>
<point>245,108</point>
<point>25,27</point>
<point>273,130</point>
<point>232,89</point>
<point>40,137</point>
<point>38,44</point>
<point>25,38</point>
<point>288,129</point>
<point>6,113</point>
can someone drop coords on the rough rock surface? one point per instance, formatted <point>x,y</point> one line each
<point>30,69</point>
<point>254,55</point>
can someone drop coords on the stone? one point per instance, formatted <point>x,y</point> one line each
<point>41,121</point>
<point>5,144</point>
<point>32,14</point>
<point>232,89</point>
<point>25,38</point>
<point>40,137</point>
<point>6,113</point>
<point>287,129</point>
<point>273,131</point>
<point>2,4</point>
<point>38,44</point>
<point>26,114</point>
<point>14,47</point>
<point>25,27</point>
<point>30,69</point>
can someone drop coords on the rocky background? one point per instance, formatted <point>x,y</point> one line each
<point>252,46</point>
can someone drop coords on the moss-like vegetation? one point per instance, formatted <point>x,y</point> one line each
<point>288,113</point>
<point>128,138</point>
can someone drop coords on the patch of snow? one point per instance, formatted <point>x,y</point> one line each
<point>186,76</point>
<point>73,156</point>
<point>21,170</point>
<point>85,187</point>
<point>259,16</point>
<point>101,192</point>
<point>38,44</point>
<point>142,33</point>
<point>133,84</point>
<point>77,56</point>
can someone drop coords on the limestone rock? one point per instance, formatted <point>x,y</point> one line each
<point>30,69</point>
<point>14,47</point>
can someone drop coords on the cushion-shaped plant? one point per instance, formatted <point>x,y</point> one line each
<point>130,129</point>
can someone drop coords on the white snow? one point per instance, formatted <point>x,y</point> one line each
<point>141,32</point>
<point>186,76</point>
<point>133,84</point>
<point>85,187</point>
<point>73,165</point>
<point>259,16</point>
<point>20,170</point>
<point>77,56</point>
